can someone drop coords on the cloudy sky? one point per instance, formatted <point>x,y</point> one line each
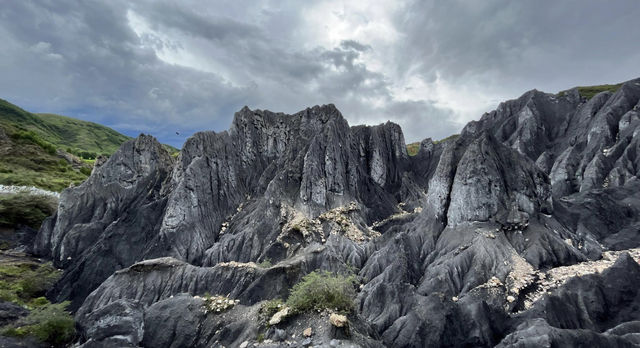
<point>164,66</point>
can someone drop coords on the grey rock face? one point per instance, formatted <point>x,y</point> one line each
<point>448,245</point>
<point>107,222</point>
<point>595,310</point>
<point>491,180</point>
<point>579,141</point>
<point>10,312</point>
<point>122,319</point>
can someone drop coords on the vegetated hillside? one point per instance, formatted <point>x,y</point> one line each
<point>28,160</point>
<point>522,231</point>
<point>51,151</point>
<point>61,131</point>
<point>589,92</point>
<point>414,148</point>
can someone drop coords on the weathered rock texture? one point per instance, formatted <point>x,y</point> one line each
<point>449,245</point>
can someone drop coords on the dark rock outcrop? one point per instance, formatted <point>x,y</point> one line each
<point>449,245</point>
<point>108,222</point>
<point>10,312</point>
<point>595,310</point>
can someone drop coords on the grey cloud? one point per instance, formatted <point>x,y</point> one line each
<point>355,45</point>
<point>104,73</point>
<point>522,44</point>
<point>188,20</point>
<point>418,118</point>
<point>289,78</point>
<point>84,59</point>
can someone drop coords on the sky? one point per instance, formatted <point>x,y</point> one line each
<point>161,67</point>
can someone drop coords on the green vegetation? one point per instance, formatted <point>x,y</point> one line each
<point>323,290</point>
<point>49,323</point>
<point>85,155</point>
<point>172,150</point>
<point>266,263</point>
<point>271,307</point>
<point>25,209</point>
<point>590,91</point>
<point>32,137</point>
<point>451,137</point>
<point>29,146</point>
<point>414,148</point>
<point>24,283</point>
<point>61,131</point>
<point>26,163</point>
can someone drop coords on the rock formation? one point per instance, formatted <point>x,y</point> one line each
<point>449,245</point>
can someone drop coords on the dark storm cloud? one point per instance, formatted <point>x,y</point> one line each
<point>161,66</point>
<point>84,58</point>
<point>516,45</point>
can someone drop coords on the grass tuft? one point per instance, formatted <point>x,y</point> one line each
<point>271,307</point>
<point>323,290</point>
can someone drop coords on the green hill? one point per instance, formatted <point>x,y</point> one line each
<point>51,151</point>
<point>61,131</point>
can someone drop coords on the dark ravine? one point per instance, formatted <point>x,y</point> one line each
<point>446,243</point>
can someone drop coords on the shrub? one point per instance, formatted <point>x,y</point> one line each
<point>34,138</point>
<point>49,323</point>
<point>271,307</point>
<point>38,302</point>
<point>25,209</point>
<point>56,330</point>
<point>37,283</point>
<point>88,155</point>
<point>323,290</point>
<point>9,295</point>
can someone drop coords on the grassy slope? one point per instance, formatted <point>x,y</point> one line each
<point>590,91</point>
<point>27,154</point>
<point>61,131</point>
<point>25,163</point>
<point>413,148</point>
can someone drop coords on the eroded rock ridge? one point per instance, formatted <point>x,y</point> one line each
<point>450,245</point>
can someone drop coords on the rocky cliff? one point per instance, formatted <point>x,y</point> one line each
<point>451,246</point>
